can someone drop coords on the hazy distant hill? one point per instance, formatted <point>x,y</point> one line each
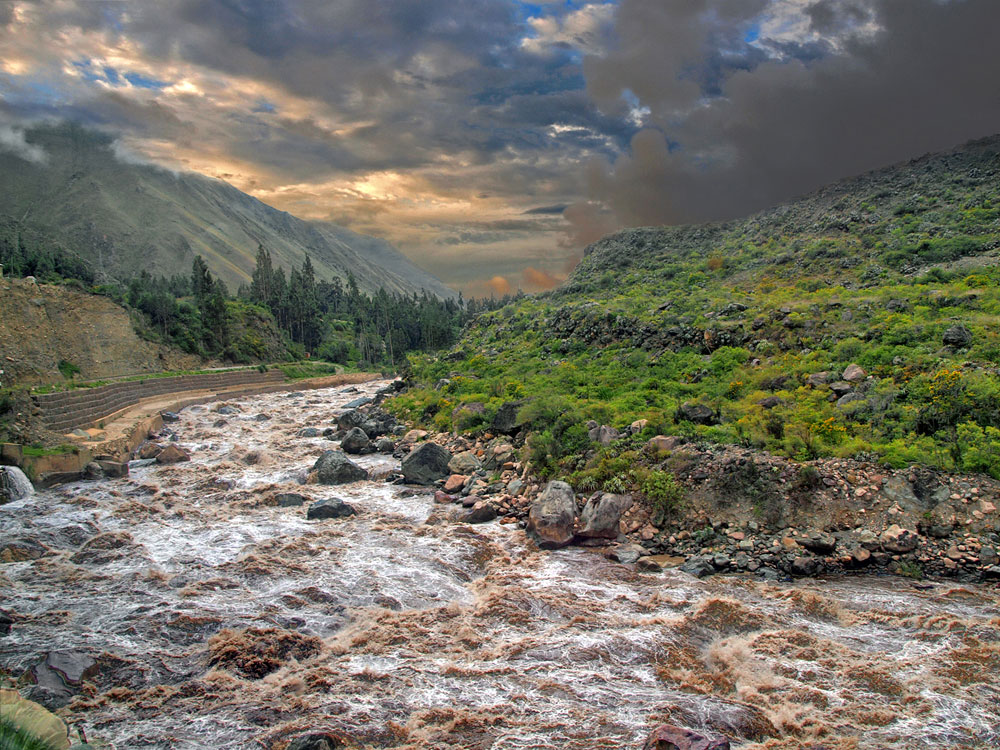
<point>127,217</point>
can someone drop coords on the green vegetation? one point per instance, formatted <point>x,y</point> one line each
<point>738,316</point>
<point>68,369</point>
<point>15,738</point>
<point>274,319</point>
<point>59,450</point>
<point>302,370</point>
<point>341,324</point>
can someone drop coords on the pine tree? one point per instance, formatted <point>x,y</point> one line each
<point>262,281</point>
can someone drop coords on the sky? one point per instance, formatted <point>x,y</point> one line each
<point>491,140</point>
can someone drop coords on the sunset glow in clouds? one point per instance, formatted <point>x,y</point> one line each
<point>491,140</point>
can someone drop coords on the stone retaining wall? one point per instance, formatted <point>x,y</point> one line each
<point>68,410</point>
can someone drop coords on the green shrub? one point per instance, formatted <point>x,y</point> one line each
<point>664,493</point>
<point>68,369</point>
<point>15,738</point>
<point>979,448</point>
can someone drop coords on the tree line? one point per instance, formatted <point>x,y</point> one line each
<point>330,319</point>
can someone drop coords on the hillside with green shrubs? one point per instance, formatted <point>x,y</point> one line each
<point>741,332</point>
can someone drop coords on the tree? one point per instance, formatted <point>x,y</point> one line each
<point>262,281</point>
<point>202,283</point>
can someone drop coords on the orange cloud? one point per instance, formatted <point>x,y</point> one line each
<point>500,286</point>
<point>536,280</point>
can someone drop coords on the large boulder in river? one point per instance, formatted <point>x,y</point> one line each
<point>332,507</point>
<point>601,515</point>
<point>334,467</point>
<point>172,454</point>
<point>379,423</point>
<point>350,418</point>
<point>669,737</point>
<point>316,741</point>
<point>426,464</point>
<point>552,517</point>
<point>356,441</point>
<point>60,675</point>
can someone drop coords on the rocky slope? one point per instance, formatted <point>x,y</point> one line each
<point>44,325</point>
<point>126,217</point>
<point>859,322</point>
<point>811,389</point>
<point>743,512</point>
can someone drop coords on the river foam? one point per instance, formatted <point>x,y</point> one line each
<point>424,633</point>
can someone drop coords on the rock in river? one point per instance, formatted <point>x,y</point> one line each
<point>334,467</point>
<point>332,507</point>
<point>602,513</point>
<point>669,737</point>
<point>426,464</point>
<point>552,516</point>
<point>356,441</point>
<point>172,455</point>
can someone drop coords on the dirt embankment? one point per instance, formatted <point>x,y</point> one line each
<point>43,324</point>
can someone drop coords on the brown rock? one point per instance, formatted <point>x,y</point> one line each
<point>663,443</point>
<point>149,450</point>
<point>853,374</point>
<point>860,557</point>
<point>455,482</point>
<point>669,737</point>
<point>898,540</point>
<point>172,454</point>
<point>656,563</point>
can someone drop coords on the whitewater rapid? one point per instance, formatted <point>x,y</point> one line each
<point>421,632</point>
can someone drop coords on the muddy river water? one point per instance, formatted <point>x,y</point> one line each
<point>215,619</point>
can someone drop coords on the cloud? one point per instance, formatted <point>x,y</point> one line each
<point>586,29</point>
<point>537,281</point>
<point>12,141</point>
<point>740,120</point>
<point>499,286</point>
<point>546,210</point>
<point>489,137</point>
<point>310,106</point>
<point>588,222</point>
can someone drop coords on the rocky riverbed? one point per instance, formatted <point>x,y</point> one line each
<point>226,596</point>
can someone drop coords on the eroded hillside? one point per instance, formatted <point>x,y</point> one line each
<point>43,325</point>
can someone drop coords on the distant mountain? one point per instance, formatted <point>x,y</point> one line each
<point>126,217</point>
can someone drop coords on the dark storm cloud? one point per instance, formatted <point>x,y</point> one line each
<point>418,78</point>
<point>886,80</point>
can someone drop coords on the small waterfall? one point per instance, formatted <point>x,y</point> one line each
<point>14,484</point>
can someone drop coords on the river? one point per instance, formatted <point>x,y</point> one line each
<point>405,629</point>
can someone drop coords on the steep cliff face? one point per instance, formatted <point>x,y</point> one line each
<point>42,325</point>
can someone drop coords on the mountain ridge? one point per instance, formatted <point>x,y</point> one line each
<point>860,321</point>
<point>125,217</point>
